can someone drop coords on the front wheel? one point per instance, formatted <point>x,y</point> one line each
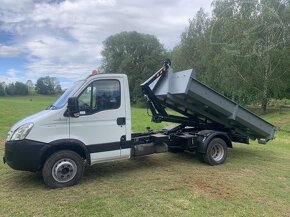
<point>216,152</point>
<point>62,169</point>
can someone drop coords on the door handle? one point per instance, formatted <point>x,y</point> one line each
<point>121,121</point>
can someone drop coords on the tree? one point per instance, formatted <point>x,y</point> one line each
<point>46,85</point>
<point>253,36</point>
<point>30,86</point>
<point>135,54</point>
<point>17,89</point>
<point>10,89</point>
<point>241,50</point>
<point>21,89</point>
<point>2,89</point>
<point>190,52</point>
<point>58,89</point>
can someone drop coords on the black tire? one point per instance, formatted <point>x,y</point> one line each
<point>62,169</point>
<point>200,157</point>
<point>216,152</point>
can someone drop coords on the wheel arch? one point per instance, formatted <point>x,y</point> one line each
<point>66,144</point>
<point>206,136</point>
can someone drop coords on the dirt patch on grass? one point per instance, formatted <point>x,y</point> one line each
<point>218,188</point>
<point>211,182</point>
<point>215,188</point>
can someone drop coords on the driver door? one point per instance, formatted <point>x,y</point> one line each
<point>102,107</point>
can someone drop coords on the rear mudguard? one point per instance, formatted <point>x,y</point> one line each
<point>205,136</point>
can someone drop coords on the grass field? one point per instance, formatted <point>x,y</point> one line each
<point>254,181</point>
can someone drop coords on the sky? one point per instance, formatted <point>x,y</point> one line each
<point>64,38</point>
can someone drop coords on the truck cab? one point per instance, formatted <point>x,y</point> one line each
<point>96,131</point>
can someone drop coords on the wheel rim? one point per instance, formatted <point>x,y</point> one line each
<point>64,170</point>
<point>217,152</point>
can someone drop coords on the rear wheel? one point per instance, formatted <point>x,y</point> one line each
<point>62,169</point>
<point>216,152</point>
<point>200,157</point>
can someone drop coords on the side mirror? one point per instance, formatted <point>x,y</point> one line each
<point>73,107</point>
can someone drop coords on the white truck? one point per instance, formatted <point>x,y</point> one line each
<point>91,123</point>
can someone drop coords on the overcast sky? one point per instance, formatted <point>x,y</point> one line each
<point>63,38</point>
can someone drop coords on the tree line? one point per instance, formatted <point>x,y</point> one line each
<point>242,51</point>
<point>44,85</point>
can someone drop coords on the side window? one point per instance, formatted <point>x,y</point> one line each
<point>99,96</point>
<point>85,99</point>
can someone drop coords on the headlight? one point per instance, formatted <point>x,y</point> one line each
<point>22,132</point>
<point>8,138</point>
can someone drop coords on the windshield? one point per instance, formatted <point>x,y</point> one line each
<point>62,100</point>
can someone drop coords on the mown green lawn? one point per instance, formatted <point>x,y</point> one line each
<point>254,181</point>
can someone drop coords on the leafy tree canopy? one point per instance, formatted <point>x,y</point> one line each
<point>47,86</point>
<point>135,54</point>
<point>242,50</point>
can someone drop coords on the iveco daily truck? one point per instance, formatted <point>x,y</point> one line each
<point>91,123</point>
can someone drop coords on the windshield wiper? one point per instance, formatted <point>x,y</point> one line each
<point>51,107</point>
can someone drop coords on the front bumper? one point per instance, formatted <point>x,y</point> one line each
<point>24,154</point>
